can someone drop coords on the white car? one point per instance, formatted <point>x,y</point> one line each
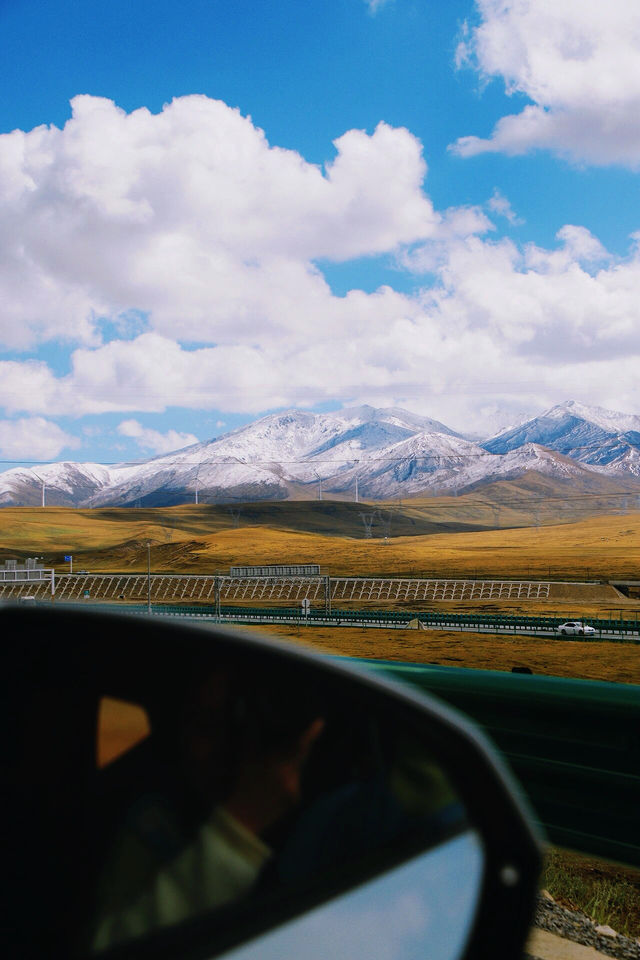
<point>574,628</point>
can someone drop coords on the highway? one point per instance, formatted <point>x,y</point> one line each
<point>322,614</point>
<point>336,620</point>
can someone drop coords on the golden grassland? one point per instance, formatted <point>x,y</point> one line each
<point>619,662</point>
<point>198,539</point>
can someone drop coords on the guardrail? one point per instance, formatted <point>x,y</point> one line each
<point>611,630</point>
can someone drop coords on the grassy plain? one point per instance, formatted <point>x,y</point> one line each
<point>203,538</point>
<point>606,892</point>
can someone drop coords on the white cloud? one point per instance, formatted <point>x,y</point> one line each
<point>577,62</point>
<point>500,205</point>
<point>191,221</point>
<point>189,216</point>
<point>517,326</point>
<point>148,439</point>
<point>33,438</point>
<point>375,5</point>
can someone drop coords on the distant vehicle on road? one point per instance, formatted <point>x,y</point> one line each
<point>573,628</point>
<point>27,601</point>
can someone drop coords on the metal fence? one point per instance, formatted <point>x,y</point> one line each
<point>280,589</point>
<point>613,630</point>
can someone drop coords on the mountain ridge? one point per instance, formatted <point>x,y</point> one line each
<point>379,452</point>
<point>596,437</point>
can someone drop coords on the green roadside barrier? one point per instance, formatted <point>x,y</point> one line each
<point>574,745</point>
<point>627,631</point>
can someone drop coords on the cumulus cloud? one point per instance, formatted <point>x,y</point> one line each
<point>154,440</point>
<point>579,65</point>
<point>551,306</point>
<point>33,438</point>
<point>190,218</point>
<point>200,242</point>
<point>500,320</point>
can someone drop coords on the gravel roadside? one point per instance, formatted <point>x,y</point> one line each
<point>581,929</point>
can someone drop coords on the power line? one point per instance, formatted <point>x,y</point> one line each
<point>236,460</point>
<point>513,502</point>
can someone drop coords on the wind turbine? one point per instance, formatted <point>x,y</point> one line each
<point>43,484</point>
<point>319,484</point>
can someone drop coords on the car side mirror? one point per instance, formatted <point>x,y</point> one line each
<point>182,791</point>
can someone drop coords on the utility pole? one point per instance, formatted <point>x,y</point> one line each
<point>357,500</point>
<point>319,484</point>
<point>216,595</point>
<point>327,596</point>
<point>148,576</point>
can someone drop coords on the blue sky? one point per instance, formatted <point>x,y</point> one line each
<point>171,272</point>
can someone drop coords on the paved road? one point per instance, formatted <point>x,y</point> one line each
<point>387,625</point>
<point>548,946</point>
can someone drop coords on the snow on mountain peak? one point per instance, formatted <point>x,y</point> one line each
<point>389,450</point>
<point>611,421</point>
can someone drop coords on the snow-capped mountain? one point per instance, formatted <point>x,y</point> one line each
<point>267,458</point>
<point>306,444</point>
<point>600,438</point>
<point>424,462</point>
<point>66,484</point>
<point>389,452</point>
<point>431,463</point>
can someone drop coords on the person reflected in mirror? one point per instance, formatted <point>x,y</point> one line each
<point>215,777</point>
<point>403,796</point>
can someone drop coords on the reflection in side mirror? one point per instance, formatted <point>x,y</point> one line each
<point>253,782</point>
<point>432,899</point>
<point>213,786</point>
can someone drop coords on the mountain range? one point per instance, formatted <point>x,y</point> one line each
<point>376,454</point>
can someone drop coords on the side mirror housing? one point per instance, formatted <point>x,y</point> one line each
<point>187,791</point>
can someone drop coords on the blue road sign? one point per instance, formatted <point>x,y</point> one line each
<point>68,557</point>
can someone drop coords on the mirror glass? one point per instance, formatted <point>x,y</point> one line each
<point>431,900</point>
<point>241,784</point>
